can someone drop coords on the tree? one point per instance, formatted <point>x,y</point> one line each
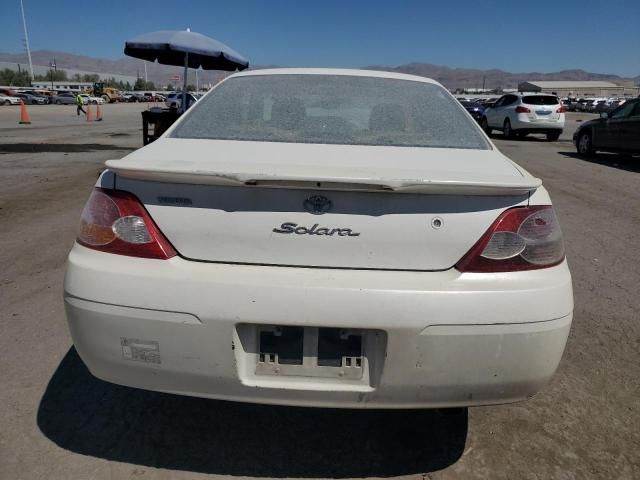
<point>90,77</point>
<point>191,88</point>
<point>142,85</point>
<point>14,79</point>
<point>112,82</point>
<point>52,75</point>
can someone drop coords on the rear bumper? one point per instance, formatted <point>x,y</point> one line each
<point>451,339</point>
<point>523,123</point>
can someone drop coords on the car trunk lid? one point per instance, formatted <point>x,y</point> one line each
<point>279,204</point>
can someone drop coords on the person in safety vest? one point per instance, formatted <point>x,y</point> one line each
<point>79,105</point>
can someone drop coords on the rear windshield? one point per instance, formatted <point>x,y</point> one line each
<point>332,109</point>
<point>541,100</point>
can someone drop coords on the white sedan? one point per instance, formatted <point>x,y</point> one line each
<point>318,237</point>
<point>7,100</point>
<point>89,99</point>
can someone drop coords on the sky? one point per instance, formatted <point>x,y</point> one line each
<point>541,36</point>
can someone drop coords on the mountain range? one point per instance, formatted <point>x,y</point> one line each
<point>450,77</point>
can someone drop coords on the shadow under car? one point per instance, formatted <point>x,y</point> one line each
<point>85,415</point>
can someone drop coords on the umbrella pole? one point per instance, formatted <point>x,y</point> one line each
<point>183,106</point>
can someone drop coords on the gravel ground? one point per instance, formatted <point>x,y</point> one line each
<point>58,422</point>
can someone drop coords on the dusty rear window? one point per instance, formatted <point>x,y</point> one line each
<point>332,109</point>
<point>541,100</point>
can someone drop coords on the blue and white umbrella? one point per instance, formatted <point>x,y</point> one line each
<point>186,49</point>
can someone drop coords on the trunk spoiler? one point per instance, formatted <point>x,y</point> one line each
<point>483,185</point>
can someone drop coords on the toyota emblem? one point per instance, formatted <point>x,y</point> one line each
<point>317,204</point>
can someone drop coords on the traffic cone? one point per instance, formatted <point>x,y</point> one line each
<point>24,116</point>
<point>98,113</point>
<point>89,114</point>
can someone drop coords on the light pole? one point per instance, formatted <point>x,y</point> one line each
<point>26,39</point>
<point>52,68</point>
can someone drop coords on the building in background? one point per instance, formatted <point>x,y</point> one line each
<point>67,85</point>
<point>577,88</point>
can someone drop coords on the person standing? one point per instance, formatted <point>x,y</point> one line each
<point>79,105</point>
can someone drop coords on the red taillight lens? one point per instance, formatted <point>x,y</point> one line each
<point>522,110</point>
<point>522,238</point>
<point>562,109</point>
<point>116,222</point>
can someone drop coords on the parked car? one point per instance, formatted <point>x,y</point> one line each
<point>617,131</point>
<point>265,249</point>
<point>174,100</point>
<point>65,98</point>
<point>474,109</point>
<point>7,92</point>
<point>581,105</point>
<point>30,99</point>
<point>569,105</point>
<point>599,106</point>
<point>7,100</point>
<point>153,97</point>
<point>136,97</point>
<point>592,106</point>
<point>89,99</point>
<point>518,114</point>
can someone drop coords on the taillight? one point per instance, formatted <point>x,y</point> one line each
<point>116,222</point>
<point>562,109</point>
<point>522,110</point>
<point>522,238</point>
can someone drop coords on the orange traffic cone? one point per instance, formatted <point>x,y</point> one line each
<point>24,116</point>
<point>89,114</point>
<point>98,113</point>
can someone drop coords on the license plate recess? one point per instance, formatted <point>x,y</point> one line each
<point>339,353</point>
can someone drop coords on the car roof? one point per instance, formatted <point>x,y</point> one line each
<point>334,71</point>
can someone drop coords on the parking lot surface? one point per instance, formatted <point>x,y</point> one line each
<point>59,422</point>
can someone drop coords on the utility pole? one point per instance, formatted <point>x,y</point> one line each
<point>197,85</point>
<point>145,72</point>
<point>26,39</point>
<point>52,68</point>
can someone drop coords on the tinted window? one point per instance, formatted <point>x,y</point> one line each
<point>332,109</point>
<point>540,100</point>
<point>509,100</point>
<point>624,110</point>
<point>471,105</point>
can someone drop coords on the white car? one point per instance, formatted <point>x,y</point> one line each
<point>518,114</point>
<point>7,100</point>
<point>320,237</point>
<point>174,100</point>
<point>89,99</point>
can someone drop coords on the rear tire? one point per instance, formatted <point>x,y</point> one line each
<point>6,102</point>
<point>585,145</point>
<point>553,137</point>
<point>484,124</point>
<point>507,130</point>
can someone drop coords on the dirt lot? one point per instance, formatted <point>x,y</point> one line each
<point>58,422</point>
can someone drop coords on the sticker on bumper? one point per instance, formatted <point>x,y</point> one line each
<point>147,351</point>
